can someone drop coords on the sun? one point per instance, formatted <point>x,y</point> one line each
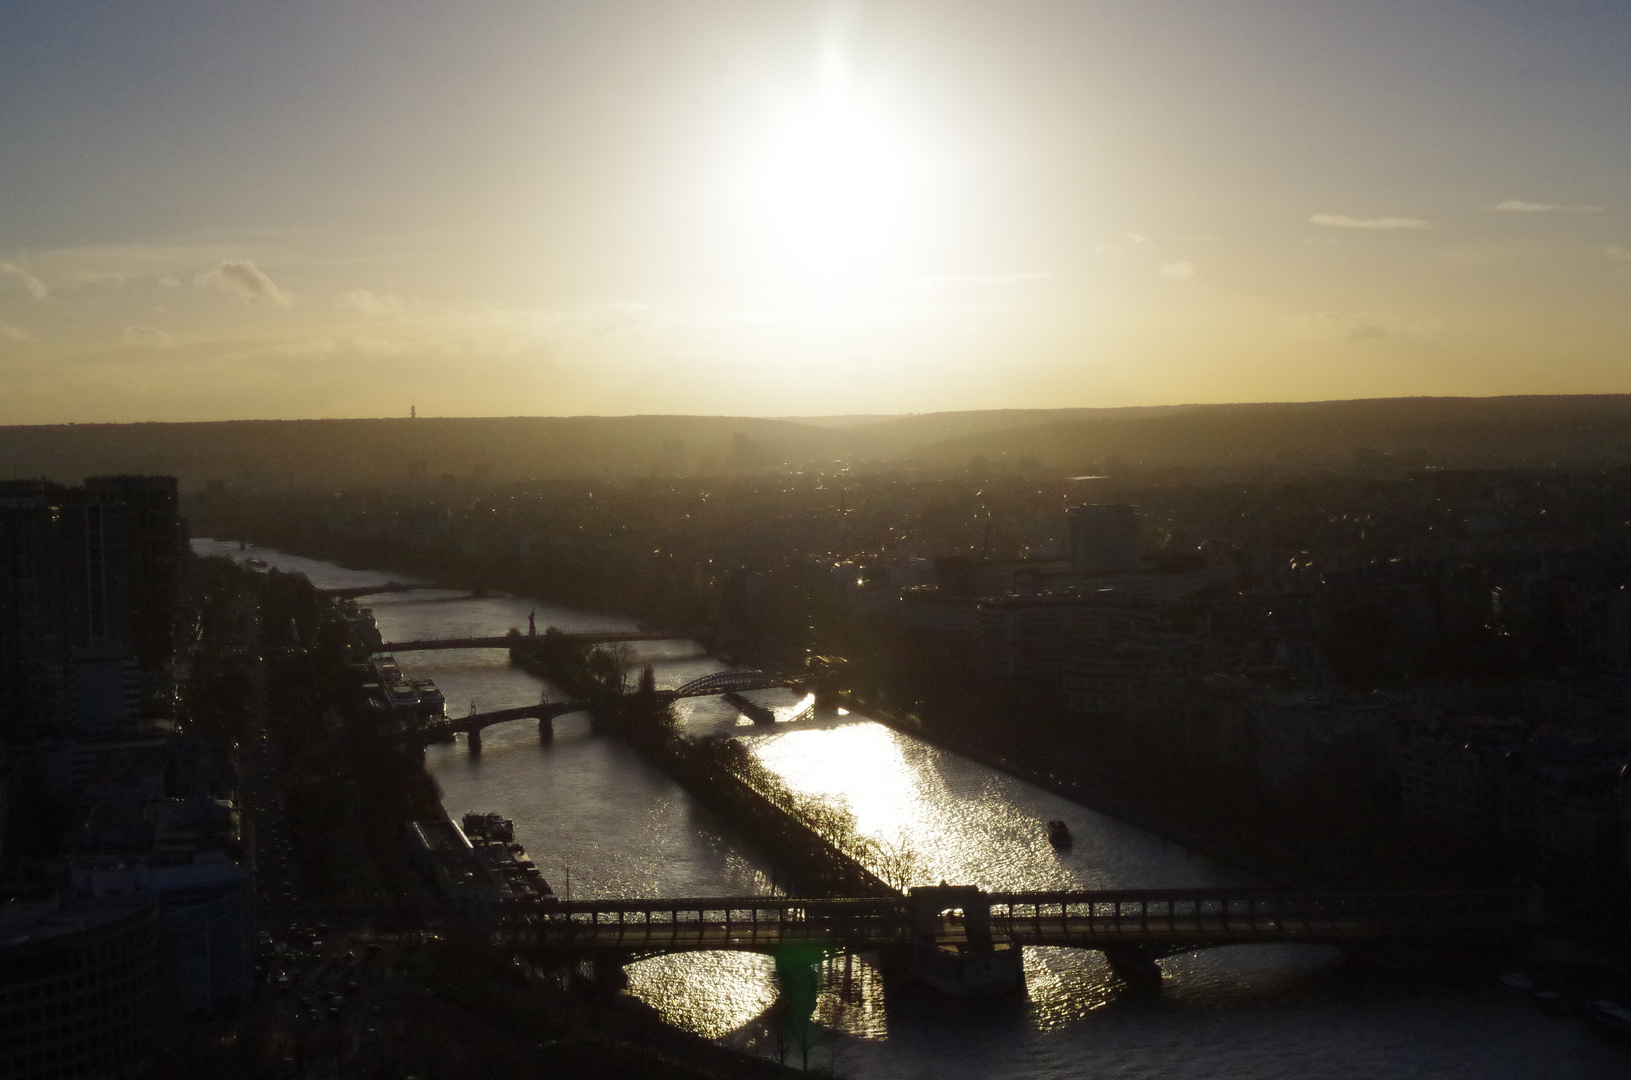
<point>833,190</point>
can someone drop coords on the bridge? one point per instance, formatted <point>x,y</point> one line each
<point>545,712</point>
<point>1134,928</point>
<point>504,641</point>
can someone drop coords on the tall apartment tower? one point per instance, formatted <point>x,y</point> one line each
<point>1103,538</point>
<point>33,630</point>
<point>89,592</point>
<point>155,544</point>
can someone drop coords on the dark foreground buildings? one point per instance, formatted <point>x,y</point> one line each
<point>125,908</point>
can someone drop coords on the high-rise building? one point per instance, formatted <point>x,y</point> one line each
<point>89,589</point>
<point>33,634</point>
<point>154,540</point>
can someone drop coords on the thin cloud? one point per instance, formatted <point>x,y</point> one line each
<point>9,332</point>
<point>147,337</point>
<point>1183,269</point>
<point>1614,253</point>
<point>938,283</point>
<point>1360,327</point>
<point>246,281</point>
<point>1518,206</point>
<point>369,302</point>
<point>36,288</point>
<point>1343,221</point>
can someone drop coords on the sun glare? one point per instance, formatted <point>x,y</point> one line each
<point>833,190</point>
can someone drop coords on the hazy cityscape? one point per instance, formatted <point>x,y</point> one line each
<point>717,540</point>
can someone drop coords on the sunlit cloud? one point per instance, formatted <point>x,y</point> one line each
<point>1342,221</point>
<point>36,288</point>
<point>1184,269</point>
<point>147,337</point>
<point>246,281</point>
<point>1518,206</point>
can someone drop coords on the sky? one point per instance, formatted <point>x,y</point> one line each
<point>299,209</point>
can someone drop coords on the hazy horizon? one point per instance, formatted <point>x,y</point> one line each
<point>729,207</point>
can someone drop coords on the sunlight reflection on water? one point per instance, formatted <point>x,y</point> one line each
<point>712,994</point>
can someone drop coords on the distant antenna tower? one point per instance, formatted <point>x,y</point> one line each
<point>413,412</point>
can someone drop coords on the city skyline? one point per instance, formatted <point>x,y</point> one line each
<point>782,210</point>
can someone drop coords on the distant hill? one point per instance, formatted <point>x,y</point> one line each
<point>1444,431</point>
<point>333,453</point>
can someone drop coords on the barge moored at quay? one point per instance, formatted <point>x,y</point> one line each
<point>409,702</point>
<point>479,866</point>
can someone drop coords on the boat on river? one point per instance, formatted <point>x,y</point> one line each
<point>432,702</point>
<point>759,714</point>
<point>1059,834</point>
<point>493,827</point>
<point>964,972</point>
<point>1611,1015</point>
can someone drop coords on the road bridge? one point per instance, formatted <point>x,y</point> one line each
<point>1134,928</point>
<point>504,641</point>
<point>546,711</point>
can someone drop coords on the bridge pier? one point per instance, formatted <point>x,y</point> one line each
<point>546,728</point>
<point>959,954</point>
<point>1136,966</point>
<point>607,974</point>
<point>473,742</point>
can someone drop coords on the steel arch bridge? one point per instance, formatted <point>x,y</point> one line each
<point>721,682</point>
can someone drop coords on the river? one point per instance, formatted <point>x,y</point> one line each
<point>600,822</point>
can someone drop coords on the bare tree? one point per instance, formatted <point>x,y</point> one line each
<point>898,863</point>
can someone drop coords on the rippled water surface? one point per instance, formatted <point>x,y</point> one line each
<point>601,822</point>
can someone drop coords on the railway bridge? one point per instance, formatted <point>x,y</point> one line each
<point>1133,928</point>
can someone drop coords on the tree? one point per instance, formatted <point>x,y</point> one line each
<point>898,863</point>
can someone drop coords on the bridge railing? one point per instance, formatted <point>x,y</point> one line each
<point>1186,918</point>
<point>1231,913</point>
<point>739,920</point>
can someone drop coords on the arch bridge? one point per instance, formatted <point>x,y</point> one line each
<point>731,682</point>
